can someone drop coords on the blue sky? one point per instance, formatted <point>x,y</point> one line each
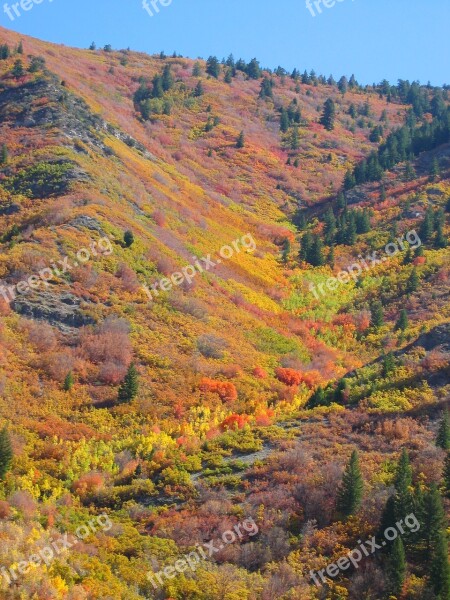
<point>374,39</point>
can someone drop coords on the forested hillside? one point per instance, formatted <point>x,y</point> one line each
<point>223,300</point>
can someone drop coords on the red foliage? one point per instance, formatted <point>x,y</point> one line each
<point>226,391</point>
<point>419,260</point>
<point>288,376</point>
<point>5,509</point>
<point>234,422</point>
<point>88,484</point>
<point>264,417</point>
<point>259,373</point>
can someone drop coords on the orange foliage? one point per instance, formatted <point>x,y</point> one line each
<point>226,391</point>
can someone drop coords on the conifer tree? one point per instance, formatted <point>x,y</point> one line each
<point>427,226</point>
<point>4,154</point>
<point>213,67</point>
<point>305,246</point>
<point>129,387</point>
<point>197,70</point>
<point>199,91</point>
<point>341,392</point>
<point>412,285</point>
<point>403,483</point>
<point>20,48</point>
<point>286,250</point>
<point>328,115</point>
<point>318,398</point>
<point>128,238</point>
<point>402,322</point>
<point>433,517</point>
<point>316,257</point>
<point>446,474</point>
<point>443,435</point>
<point>396,567</point>
<point>351,489</point>
<point>388,364</point>
<point>6,453</point>
<point>167,79</point>
<point>377,314</point>
<point>330,226</point>
<point>440,571</point>
<point>68,382</point>
<point>284,120</point>
<point>241,140</point>
<point>18,70</point>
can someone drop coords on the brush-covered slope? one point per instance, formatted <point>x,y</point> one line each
<point>119,170</point>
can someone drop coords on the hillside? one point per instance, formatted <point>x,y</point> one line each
<point>164,359</point>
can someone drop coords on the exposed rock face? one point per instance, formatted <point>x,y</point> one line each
<point>62,311</point>
<point>438,337</point>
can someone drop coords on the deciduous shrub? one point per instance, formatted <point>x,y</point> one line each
<point>225,390</point>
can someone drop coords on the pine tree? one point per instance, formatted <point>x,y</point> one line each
<point>328,115</point>
<point>341,392</point>
<point>284,120</point>
<point>396,567</point>
<point>435,170</point>
<point>377,314</point>
<point>228,76</point>
<point>157,90</point>
<point>446,474</point>
<point>93,46</point>
<point>167,79</point>
<point>68,382</point>
<point>241,140</point>
<point>20,48</point>
<point>266,88</point>
<point>213,67</point>
<point>129,388</point>
<point>403,483</point>
<point>341,202</point>
<point>295,139</point>
<point>388,364</point>
<point>433,518</point>
<point>286,250</point>
<point>330,227</point>
<point>305,246</point>
<point>440,572</point>
<point>199,91</point>
<point>318,398</point>
<point>427,226</point>
<point>388,519</point>
<point>128,238</point>
<point>253,69</point>
<point>4,154</point>
<point>316,257</point>
<point>6,453</point>
<point>402,322</point>
<point>412,285</point>
<point>351,489</point>
<point>18,70</point>
<point>443,435</point>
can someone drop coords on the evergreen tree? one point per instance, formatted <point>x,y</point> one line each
<point>316,257</point>
<point>286,250</point>
<point>295,139</point>
<point>343,84</point>
<point>199,91</point>
<point>6,453</point>
<point>284,120</point>
<point>305,246</point>
<point>241,140</point>
<point>128,238</point>
<point>341,202</point>
<point>396,567</point>
<point>446,474</point>
<point>328,115</point>
<point>402,322</point>
<point>403,497</point>
<point>213,66</point>
<point>93,46</point>
<point>253,69</point>
<point>412,285</point>
<point>330,227</point>
<point>228,76</point>
<point>440,572</point>
<point>443,435</point>
<point>433,517</point>
<point>4,154</point>
<point>157,90</point>
<point>440,240</point>
<point>18,70</point>
<point>341,392</point>
<point>349,180</point>
<point>388,364</point>
<point>129,387</point>
<point>318,398</point>
<point>377,314</point>
<point>167,80</point>
<point>388,519</point>
<point>427,226</point>
<point>68,382</point>
<point>351,489</point>
<point>20,48</point>
<point>197,70</point>
<point>435,170</point>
